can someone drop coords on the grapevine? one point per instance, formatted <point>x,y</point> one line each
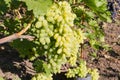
<point>56,39</point>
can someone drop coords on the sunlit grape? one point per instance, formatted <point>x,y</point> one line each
<point>59,51</point>
<point>45,23</point>
<point>38,24</point>
<point>47,40</point>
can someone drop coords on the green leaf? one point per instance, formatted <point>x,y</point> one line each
<point>96,5</point>
<point>100,8</point>
<point>39,7</point>
<point>38,64</point>
<point>42,66</point>
<point>90,3</point>
<point>24,47</point>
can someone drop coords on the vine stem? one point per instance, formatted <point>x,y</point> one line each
<point>24,29</point>
<point>17,35</point>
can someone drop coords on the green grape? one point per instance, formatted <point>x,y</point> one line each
<point>34,49</point>
<point>61,44</point>
<point>47,39</point>
<point>41,18</point>
<point>50,50</point>
<point>56,17</point>
<point>65,51</point>
<point>66,45</point>
<point>49,66</point>
<point>50,33</point>
<point>47,30</point>
<point>68,39</point>
<point>61,30</point>
<point>51,27</point>
<point>51,19</point>
<point>43,35</point>
<point>42,31</point>
<point>45,23</point>
<point>58,38</point>
<point>63,40</point>
<point>42,40</point>
<point>38,24</point>
<point>59,51</point>
<point>59,19</point>
<point>46,46</point>
<point>72,60</point>
<point>57,44</point>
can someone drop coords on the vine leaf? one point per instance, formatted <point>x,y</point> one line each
<point>100,8</point>
<point>39,7</point>
<point>96,4</point>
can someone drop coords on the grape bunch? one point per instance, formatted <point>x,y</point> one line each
<point>56,37</point>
